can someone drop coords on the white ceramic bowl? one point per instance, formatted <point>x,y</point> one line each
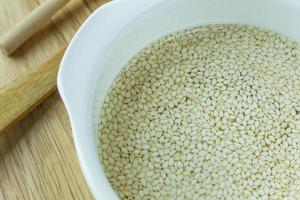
<point>117,31</point>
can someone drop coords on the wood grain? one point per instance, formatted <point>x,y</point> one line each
<point>29,25</point>
<point>24,94</point>
<point>37,157</point>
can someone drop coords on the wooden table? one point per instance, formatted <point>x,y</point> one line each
<point>37,157</point>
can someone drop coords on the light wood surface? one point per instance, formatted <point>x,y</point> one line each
<point>29,25</point>
<point>37,157</point>
<point>24,94</point>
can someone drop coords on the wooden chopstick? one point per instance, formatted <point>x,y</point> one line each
<point>10,41</point>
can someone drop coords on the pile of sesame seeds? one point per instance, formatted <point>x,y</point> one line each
<point>211,112</point>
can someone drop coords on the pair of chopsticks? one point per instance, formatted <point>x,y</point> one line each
<point>28,91</point>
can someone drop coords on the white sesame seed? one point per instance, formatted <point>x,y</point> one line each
<point>211,112</point>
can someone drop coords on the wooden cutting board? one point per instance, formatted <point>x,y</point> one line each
<point>37,157</point>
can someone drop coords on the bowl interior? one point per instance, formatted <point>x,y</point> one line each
<point>115,33</point>
<point>175,15</point>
